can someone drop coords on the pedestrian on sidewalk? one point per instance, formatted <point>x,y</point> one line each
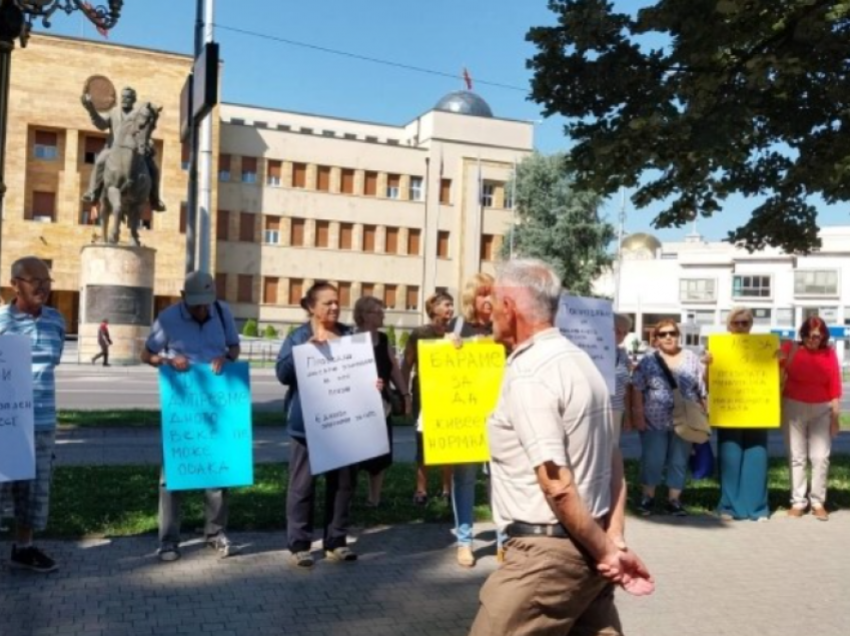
<point>551,442</point>
<point>197,330</point>
<point>104,341</point>
<point>29,315</point>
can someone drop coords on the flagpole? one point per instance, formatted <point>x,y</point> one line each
<point>513,209</point>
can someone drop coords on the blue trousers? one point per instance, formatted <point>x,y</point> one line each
<point>663,452</point>
<point>463,500</point>
<point>743,472</point>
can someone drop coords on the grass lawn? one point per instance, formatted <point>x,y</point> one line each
<point>122,500</point>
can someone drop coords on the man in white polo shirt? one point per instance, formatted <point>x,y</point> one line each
<point>551,442</point>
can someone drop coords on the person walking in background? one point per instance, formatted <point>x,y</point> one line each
<point>369,318</point>
<point>322,306</point>
<point>662,450</point>
<point>811,411</point>
<point>104,341</point>
<point>28,315</point>
<point>197,330</point>
<point>440,309</point>
<point>551,445</point>
<point>742,452</point>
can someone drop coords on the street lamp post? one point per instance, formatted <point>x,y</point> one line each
<point>16,20</point>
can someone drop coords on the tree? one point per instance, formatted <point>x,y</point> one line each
<point>402,340</point>
<point>391,337</point>
<point>250,328</point>
<point>270,332</point>
<point>690,101</point>
<point>558,223</point>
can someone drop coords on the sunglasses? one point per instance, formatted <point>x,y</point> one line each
<point>741,323</point>
<point>667,334</point>
<point>814,336</point>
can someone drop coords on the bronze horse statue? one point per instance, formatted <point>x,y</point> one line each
<point>126,178</point>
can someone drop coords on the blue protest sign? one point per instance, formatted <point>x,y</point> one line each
<point>207,439</point>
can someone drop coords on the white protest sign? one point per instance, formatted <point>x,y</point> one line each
<point>589,324</point>
<point>17,437</point>
<point>342,408</point>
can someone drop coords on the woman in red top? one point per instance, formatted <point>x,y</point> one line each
<point>811,406</point>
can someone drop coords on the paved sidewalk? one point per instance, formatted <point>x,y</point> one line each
<point>784,578</point>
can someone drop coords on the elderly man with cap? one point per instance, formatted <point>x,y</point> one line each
<point>197,330</point>
<point>553,476</point>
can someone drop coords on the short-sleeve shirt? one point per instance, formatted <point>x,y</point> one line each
<point>622,379</point>
<point>650,380</point>
<point>176,332</point>
<point>47,335</point>
<point>554,407</point>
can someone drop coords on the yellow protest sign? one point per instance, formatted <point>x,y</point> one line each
<point>459,391</point>
<point>743,381</point>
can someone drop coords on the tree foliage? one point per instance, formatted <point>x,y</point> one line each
<point>558,223</point>
<point>690,101</point>
<point>250,328</point>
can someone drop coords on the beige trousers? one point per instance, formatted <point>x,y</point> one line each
<point>807,438</point>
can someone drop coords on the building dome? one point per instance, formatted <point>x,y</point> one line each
<point>464,103</point>
<point>640,242</point>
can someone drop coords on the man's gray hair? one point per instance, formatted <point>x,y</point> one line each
<point>540,282</point>
<point>623,320</point>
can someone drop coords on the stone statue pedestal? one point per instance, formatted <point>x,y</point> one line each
<point>116,283</point>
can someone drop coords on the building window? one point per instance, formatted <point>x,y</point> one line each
<point>347,181</point>
<point>393,186</point>
<point>488,244</point>
<point>221,286</point>
<point>370,184</point>
<point>751,287</point>
<point>305,131</point>
<point>371,139</point>
<point>222,226</point>
<point>369,234</point>
<point>829,315</point>
<point>273,177</point>
<point>697,290</point>
<point>270,284</point>
<point>296,234</point>
<point>416,190</point>
<point>412,301</point>
<point>442,244</point>
<point>323,181</point>
<point>367,289</point>
<point>91,148</point>
<point>413,241</point>
<point>509,196</point>
<point>46,145</point>
<point>299,175</point>
<point>785,317</point>
<point>446,191</point>
<point>43,207</point>
<point>328,133</point>
<point>323,233</point>
<point>762,317</point>
<point>271,233</point>
<point>391,246</point>
<point>346,236</point>
<point>296,290</point>
<point>184,156</point>
<point>249,170</point>
<point>390,293</point>
<point>702,316</point>
<point>344,294</point>
<point>816,282</point>
<point>245,290</point>
<point>184,215</point>
<point>487,190</point>
<point>224,167</point>
<point>246,227</point>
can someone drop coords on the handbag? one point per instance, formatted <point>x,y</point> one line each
<point>784,377</point>
<point>702,461</point>
<point>690,421</point>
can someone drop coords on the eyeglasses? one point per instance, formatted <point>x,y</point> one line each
<point>814,336</point>
<point>36,282</point>
<point>741,323</point>
<point>667,334</point>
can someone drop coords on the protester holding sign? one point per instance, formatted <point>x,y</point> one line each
<point>440,308</point>
<point>369,318</point>
<point>322,305</point>
<point>662,450</point>
<point>28,315</point>
<point>811,411</point>
<point>197,330</point>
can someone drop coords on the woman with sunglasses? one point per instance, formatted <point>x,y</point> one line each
<point>662,451</point>
<point>811,407</point>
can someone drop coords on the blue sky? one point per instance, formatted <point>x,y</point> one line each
<point>485,36</point>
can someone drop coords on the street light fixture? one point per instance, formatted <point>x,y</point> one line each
<point>16,20</point>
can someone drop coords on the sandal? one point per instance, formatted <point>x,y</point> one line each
<point>420,498</point>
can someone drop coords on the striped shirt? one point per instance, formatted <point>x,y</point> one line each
<point>47,335</point>
<point>622,378</point>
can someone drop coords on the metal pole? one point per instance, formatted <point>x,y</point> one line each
<point>192,195</point>
<point>206,160</point>
<point>6,48</point>
<point>619,262</point>
<point>513,209</point>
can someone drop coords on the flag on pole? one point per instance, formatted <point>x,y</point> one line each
<point>467,78</point>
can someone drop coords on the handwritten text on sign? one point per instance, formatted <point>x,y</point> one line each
<point>743,381</point>
<point>17,445</point>
<point>342,408</point>
<point>207,439</point>
<point>459,391</point>
<point>589,324</point>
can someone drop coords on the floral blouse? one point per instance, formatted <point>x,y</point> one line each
<point>649,379</point>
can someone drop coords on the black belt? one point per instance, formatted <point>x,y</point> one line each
<point>520,529</point>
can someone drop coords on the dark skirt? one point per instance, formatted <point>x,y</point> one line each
<point>380,463</point>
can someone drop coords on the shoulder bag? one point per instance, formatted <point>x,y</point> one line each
<point>783,379</point>
<point>689,419</point>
